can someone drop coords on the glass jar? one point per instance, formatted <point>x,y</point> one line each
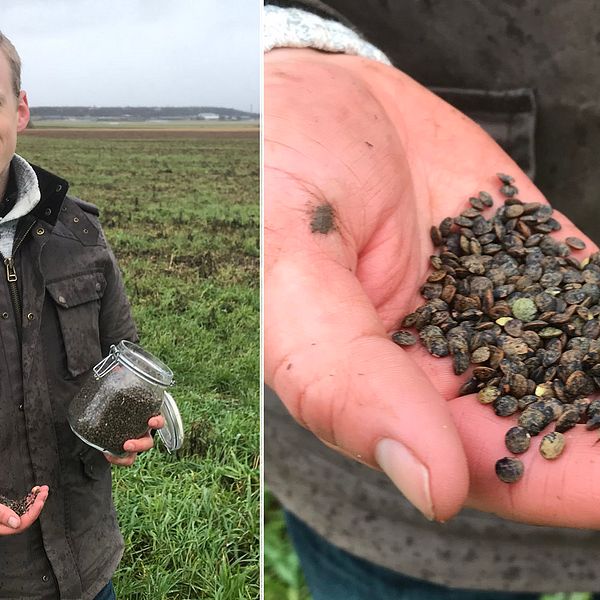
<point>121,393</point>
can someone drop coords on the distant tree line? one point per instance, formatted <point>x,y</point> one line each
<point>142,113</point>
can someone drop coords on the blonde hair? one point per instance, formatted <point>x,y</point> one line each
<point>14,61</point>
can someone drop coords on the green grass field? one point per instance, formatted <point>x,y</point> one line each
<point>283,579</point>
<point>182,215</point>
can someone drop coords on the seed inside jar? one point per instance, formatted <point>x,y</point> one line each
<point>108,416</point>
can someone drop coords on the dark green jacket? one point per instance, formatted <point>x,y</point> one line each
<point>73,308</point>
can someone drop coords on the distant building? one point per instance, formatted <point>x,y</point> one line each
<point>208,116</point>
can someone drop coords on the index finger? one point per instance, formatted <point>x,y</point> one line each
<point>561,492</point>
<point>156,422</point>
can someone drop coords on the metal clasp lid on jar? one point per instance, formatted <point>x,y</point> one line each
<point>107,364</point>
<point>172,433</point>
<point>142,363</point>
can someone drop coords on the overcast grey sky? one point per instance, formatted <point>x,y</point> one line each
<point>137,52</point>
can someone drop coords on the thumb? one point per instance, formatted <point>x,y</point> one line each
<point>341,377</point>
<point>9,517</point>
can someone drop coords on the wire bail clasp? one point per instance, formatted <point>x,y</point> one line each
<point>106,365</point>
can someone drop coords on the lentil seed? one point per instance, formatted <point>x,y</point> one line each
<point>509,190</point>
<point>524,309</point>
<point>404,338</point>
<point>480,355</point>
<point>517,440</point>
<point>509,469</point>
<point>486,199</point>
<point>552,445</point>
<point>436,236</point>
<point>505,406</point>
<point>568,420</point>
<point>504,178</point>
<point>575,243</point>
<point>488,394</point>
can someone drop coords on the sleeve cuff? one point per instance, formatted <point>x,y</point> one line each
<point>296,28</point>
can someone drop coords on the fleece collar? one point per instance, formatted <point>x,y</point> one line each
<point>40,195</point>
<point>28,195</point>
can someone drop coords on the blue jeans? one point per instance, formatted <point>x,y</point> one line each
<point>333,574</point>
<point>107,593</point>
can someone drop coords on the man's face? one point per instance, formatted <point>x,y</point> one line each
<point>14,115</point>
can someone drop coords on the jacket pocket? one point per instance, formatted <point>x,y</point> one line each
<point>508,116</point>
<point>94,464</point>
<point>77,301</point>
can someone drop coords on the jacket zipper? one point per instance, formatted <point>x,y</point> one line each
<point>11,278</point>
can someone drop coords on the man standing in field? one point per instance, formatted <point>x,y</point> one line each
<point>62,304</point>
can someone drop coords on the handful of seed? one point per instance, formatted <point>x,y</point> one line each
<point>20,506</point>
<point>507,298</point>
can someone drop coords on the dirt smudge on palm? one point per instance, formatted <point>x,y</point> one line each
<point>322,218</point>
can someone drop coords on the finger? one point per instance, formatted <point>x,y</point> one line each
<point>140,444</point>
<point>121,461</point>
<point>35,509</point>
<point>157,422</point>
<point>341,377</point>
<point>562,492</point>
